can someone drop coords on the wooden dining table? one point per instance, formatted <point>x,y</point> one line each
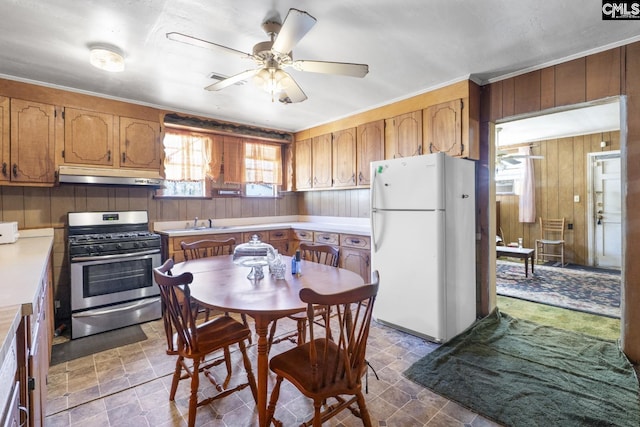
<point>220,284</point>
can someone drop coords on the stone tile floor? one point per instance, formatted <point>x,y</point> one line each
<point>129,386</point>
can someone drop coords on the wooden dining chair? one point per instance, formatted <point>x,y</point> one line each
<point>331,365</point>
<point>321,254</point>
<point>208,248</point>
<point>551,241</point>
<point>195,342</point>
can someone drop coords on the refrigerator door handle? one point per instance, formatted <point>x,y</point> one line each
<point>373,211</point>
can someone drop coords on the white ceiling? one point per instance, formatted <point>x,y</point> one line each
<point>411,46</point>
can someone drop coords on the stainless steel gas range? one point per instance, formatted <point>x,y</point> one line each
<point>112,255</point>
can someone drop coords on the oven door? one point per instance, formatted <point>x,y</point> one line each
<point>105,280</point>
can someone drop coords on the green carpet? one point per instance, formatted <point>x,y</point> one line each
<point>519,373</point>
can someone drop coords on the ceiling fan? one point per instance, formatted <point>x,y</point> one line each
<point>274,55</point>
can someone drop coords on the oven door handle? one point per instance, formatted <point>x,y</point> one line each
<point>107,257</point>
<point>121,307</point>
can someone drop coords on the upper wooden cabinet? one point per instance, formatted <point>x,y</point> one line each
<point>5,160</point>
<point>403,135</point>
<point>32,138</point>
<point>303,165</point>
<point>443,128</point>
<point>140,144</point>
<point>88,138</point>
<point>321,161</point>
<point>344,158</point>
<point>369,148</point>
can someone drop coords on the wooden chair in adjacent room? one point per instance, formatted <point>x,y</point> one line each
<point>551,241</point>
<point>208,248</point>
<point>329,368</point>
<point>321,254</point>
<point>195,342</point>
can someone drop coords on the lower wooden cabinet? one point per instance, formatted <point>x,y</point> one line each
<point>355,254</point>
<point>171,245</point>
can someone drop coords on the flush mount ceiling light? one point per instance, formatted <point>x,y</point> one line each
<point>106,58</point>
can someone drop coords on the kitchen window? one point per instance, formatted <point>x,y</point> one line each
<point>200,164</point>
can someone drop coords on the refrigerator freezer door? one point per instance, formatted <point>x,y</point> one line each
<point>411,293</point>
<point>408,183</point>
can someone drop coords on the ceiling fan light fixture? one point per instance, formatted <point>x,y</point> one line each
<point>106,58</point>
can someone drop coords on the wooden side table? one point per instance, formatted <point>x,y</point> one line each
<point>521,253</point>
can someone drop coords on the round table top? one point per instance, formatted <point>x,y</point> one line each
<point>219,283</point>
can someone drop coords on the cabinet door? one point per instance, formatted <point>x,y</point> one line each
<point>139,144</point>
<point>443,128</point>
<point>321,160</point>
<point>88,137</point>
<point>303,164</point>
<point>344,158</point>
<point>32,142</point>
<point>369,148</point>
<point>5,162</point>
<point>356,260</point>
<point>403,135</point>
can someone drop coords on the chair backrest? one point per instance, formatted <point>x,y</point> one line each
<point>347,331</point>
<point>176,299</point>
<point>551,229</point>
<point>207,248</point>
<point>321,254</point>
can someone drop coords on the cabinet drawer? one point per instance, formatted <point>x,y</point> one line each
<point>278,235</point>
<point>303,235</point>
<point>190,239</point>
<point>263,236</point>
<point>352,241</point>
<point>327,238</point>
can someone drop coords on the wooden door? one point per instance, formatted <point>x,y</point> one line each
<point>32,142</point>
<point>403,135</point>
<point>5,161</point>
<point>303,164</point>
<point>443,128</point>
<point>321,160</point>
<point>140,145</point>
<point>369,148</point>
<point>88,138</point>
<point>344,158</point>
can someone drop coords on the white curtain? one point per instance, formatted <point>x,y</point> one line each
<point>527,188</point>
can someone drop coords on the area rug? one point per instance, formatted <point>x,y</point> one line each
<point>519,373</point>
<point>81,347</point>
<point>595,292</point>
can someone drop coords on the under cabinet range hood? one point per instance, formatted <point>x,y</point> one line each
<point>105,176</point>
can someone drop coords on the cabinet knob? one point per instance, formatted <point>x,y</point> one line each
<point>4,168</point>
<point>15,170</point>
<point>124,157</point>
<point>109,155</point>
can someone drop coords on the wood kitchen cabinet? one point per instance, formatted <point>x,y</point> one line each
<point>355,254</point>
<point>304,166</point>
<point>279,239</point>
<point>171,245</point>
<point>403,135</point>
<point>32,143</point>
<point>443,128</point>
<point>321,161</point>
<point>88,138</point>
<point>369,148</point>
<point>299,236</point>
<point>5,159</point>
<point>344,158</point>
<point>140,144</point>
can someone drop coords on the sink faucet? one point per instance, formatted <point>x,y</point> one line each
<point>195,223</point>
<point>210,223</point>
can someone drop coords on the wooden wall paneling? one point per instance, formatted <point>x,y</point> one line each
<point>508,97</point>
<point>570,82</point>
<point>495,101</point>
<point>566,180</point>
<point>547,88</point>
<point>37,207</point>
<point>527,93</point>
<point>603,74</point>
<point>193,209</point>
<point>579,208</point>
<point>100,199</point>
<point>233,208</point>
<point>62,202</point>
<point>614,138</point>
<point>138,200</point>
<point>13,204</point>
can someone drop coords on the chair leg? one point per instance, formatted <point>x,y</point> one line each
<point>364,413</point>
<point>244,320</point>
<point>249,370</point>
<point>275,394</point>
<point>272,332</point>
<point>193,398</point>
<point>176,378</point>
<point>317,413</point>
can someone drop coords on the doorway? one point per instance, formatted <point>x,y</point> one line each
<point>604,214</point>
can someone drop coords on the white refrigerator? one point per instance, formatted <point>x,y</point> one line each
<point>423,244</point>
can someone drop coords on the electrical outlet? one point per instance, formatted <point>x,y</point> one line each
<point>576,198</point>
<point>570,226</point>
<point>56,304</point>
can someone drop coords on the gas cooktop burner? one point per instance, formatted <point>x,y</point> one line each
<point>136,235</point>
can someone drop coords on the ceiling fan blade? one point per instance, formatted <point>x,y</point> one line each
<point>193,41</point>
<point>232,80</point>
<point>342,68</point>
<point>291,92</point>
<point>296,24</point>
